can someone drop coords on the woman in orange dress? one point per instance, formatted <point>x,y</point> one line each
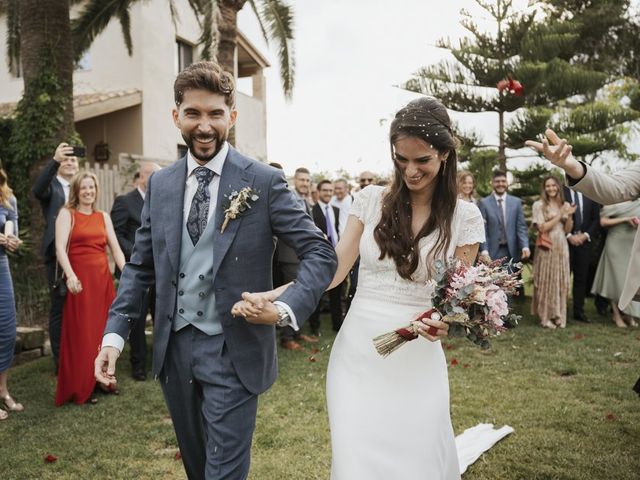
<point>82,235</point>
<point>551,215</point>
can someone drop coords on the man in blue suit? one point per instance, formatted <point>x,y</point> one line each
<point>203,248</point>
<point>504,223</point>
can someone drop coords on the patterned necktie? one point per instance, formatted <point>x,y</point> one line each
<point>329,225</point>
<point>197,219</point>
<point>503,232</point>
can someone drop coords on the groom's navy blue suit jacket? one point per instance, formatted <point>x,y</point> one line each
<point>242,262</point>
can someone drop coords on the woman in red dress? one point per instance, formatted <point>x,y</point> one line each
<point>82,234</point>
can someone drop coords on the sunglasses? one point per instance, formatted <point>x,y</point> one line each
<point>362,180</point>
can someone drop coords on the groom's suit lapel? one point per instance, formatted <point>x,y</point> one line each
<point>173,201</point>
<point>233,178</point>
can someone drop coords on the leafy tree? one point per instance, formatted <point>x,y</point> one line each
<point>529,62</point>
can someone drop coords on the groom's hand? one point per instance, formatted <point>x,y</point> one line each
<point>105,365</point>
<point>268,315</point>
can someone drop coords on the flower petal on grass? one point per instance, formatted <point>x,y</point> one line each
<point>50,459</point>
<point>454,362</point>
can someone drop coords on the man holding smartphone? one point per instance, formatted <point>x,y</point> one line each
<point>51,188</point>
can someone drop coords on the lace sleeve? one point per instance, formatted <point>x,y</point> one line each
<point>537,215</point>
<point>471,224</point>
<point>362,207</point>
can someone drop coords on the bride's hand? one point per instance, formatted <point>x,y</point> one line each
<point>245,309</point>
<point>433,330</point>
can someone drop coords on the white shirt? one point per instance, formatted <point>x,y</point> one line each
<point>215,165</point>
<point>66,187</point>
<point>332,218</point>
<point>344,206</point>
<point>141,192</point>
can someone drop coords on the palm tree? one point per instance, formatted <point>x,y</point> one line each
<point>39,37</point>
<point>274,16</point>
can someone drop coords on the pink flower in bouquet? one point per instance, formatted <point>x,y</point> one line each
<point>497,303</point>
<point>463,277</point>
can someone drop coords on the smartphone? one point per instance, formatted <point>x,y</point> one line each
<point>79,151</point>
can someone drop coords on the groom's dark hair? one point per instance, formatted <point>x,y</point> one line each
<point>205,76</point>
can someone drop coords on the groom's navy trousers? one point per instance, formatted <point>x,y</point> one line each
<point>199,382</point>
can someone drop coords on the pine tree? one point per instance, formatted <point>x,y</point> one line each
<point>529,55</point>
<point>597,120</point>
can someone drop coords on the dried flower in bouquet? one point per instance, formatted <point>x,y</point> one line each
<point>472,300</point>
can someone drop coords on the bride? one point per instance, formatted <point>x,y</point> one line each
<point>389,417</point>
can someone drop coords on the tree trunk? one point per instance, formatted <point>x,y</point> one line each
<point>46,52</point>
<point>45,29</point>
<point>502,157</point>
<point>228,29</point>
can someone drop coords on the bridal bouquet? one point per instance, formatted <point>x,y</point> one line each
<point>471,299</point>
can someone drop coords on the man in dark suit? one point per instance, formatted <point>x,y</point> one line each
<point>51,188</point>
<point>327,219</point>
<point>287,261</point>
<point>202,247</point>
<point>586,224</point>
<point>125,213</point>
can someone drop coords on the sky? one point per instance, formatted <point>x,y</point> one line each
<point>350,55</point>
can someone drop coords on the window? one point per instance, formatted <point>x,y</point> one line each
<point>182,151</point>
<point>184,55</point>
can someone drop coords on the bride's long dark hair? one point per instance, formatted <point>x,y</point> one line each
<point>427,119</point>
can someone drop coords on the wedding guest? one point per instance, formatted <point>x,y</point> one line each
<point>342,200</point>
<point>313,194</point>
<point>8,242</point>
<point>505,226</point>
<point>288,262</point>
<point>466,186</point>
<point>601,187</point>
<point>586,224</point>
<point>327,219</point>
<point>51,188</point>
<point>125,215</point>
<point>366,178</point>
<point>621,220</point>
<point>552,218</point>
<point>82,236</point>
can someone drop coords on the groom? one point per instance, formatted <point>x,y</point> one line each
<point>212,366</point>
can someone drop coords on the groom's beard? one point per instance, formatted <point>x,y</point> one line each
<point>189,140</point>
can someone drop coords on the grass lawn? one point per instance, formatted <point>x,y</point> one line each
<point>567,394</point>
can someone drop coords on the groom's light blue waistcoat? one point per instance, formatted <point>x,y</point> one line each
<point>195,302</point>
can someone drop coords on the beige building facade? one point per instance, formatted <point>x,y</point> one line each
<point>123,103</point>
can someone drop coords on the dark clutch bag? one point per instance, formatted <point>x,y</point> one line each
<point>59,284</point>
<point>544,241</point>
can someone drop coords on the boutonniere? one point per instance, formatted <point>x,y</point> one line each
<point>239,201</point>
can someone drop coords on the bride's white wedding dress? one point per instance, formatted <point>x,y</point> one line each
<point>389,417</point>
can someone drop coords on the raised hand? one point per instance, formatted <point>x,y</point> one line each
<point>63,151</point>
<point>558,152</point>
